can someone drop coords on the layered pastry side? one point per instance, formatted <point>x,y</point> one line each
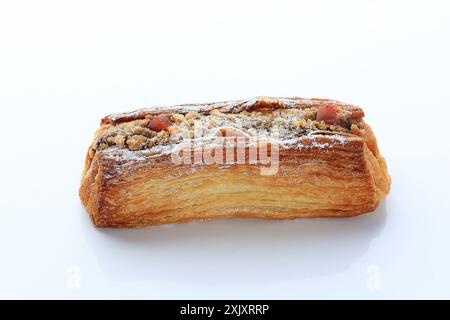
<point>328,163</point>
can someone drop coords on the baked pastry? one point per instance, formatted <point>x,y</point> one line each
<point>273,158</point>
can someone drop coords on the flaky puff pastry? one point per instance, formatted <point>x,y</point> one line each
<point>323,174</point>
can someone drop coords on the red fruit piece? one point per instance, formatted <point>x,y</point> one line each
<point>159,123</point>
<point>327,114</point>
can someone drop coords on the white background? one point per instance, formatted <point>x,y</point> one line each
<point>65,64</point>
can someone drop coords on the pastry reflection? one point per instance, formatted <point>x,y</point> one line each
<point>234,251</point>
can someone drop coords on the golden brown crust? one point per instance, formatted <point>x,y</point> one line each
<point>321,175</point>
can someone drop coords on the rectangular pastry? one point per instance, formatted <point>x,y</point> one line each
<point>272,158</point>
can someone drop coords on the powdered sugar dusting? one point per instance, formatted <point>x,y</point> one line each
<point>232,106</point>
<point>316,140</point>
<point>123,154</point>
<point>311,140</point>
<point>292,103</point>
<point>340,139</point>
<point>296,127</point>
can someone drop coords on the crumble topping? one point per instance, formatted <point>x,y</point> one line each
<point>137,135</point>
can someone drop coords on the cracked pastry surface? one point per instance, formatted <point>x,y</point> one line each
<point>329,163</point>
